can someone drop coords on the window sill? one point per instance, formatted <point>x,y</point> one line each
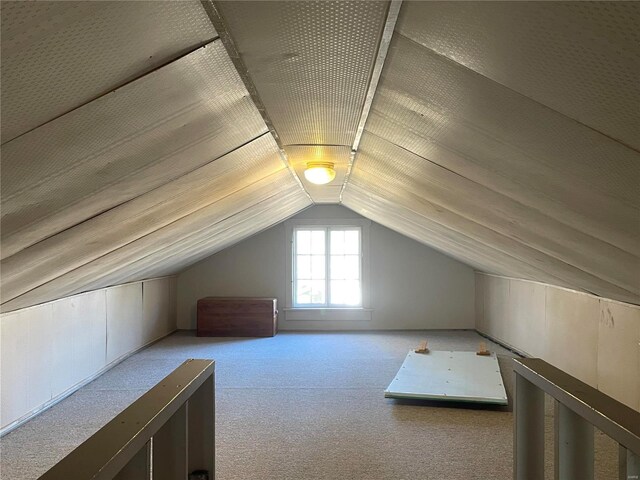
<point>322,314</point>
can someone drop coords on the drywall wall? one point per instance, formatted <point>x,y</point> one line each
<point>595,339</point>
<point>411,285</point>
<point>49,350</point>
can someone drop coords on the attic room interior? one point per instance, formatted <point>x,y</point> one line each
<point>319,239</point>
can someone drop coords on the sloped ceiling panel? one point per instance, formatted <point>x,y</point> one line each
<point>544,191</point>
<point>383,208</point>
<point>578,58</point>
<point>57,56</point>
<point>225,233</point>
<point>480,214</point>
<point>121,225</point>
<point>168,249</point>
<point>124,144</point>
<point>310,62</point>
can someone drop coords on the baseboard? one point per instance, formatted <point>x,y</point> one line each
<point>511,348</point>
<point>25,418</point>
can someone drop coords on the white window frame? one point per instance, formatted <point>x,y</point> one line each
<point>327,229</point>
<point>315,312</point>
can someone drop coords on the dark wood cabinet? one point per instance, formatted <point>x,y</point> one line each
<point>237,317</point>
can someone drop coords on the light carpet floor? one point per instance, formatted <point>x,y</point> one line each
<point>303,406</point>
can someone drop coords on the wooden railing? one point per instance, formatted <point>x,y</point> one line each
<point>578,408</point>
<point>168,433</point>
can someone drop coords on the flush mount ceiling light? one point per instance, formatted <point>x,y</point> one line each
<point>320,172</point>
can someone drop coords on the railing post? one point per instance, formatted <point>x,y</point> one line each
<point>138,467</point>
<point>200,421</point>
<point>529,431</point>
<point>574,445</point>
<point>629,464</point>
<point>170,448</point>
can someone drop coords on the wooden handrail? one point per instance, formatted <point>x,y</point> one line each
<point>579,408</point>
<point>620,422</point>
<point>178,413</point>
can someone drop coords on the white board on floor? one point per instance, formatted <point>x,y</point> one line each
<point>448,375</point>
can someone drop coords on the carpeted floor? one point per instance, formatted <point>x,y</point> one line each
<point>302,406</point>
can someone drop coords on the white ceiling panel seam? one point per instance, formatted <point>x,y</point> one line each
<point>383,47</point>
<point>503,245</point>
<point>218,21</point>
<point>258,223</point>
<point>309,61</point>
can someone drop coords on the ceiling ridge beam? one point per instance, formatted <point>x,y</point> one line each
<point>219,23</point>
<point>119,86</point>
<point>450,60</point>
<point>383,48</point>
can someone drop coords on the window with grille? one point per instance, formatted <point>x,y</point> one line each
<point>327,267</point>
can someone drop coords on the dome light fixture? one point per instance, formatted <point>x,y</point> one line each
<point>320,173</point>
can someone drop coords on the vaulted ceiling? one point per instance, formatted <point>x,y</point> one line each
<point>140,137</point>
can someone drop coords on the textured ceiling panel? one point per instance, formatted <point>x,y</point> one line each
<point>383,208</point>
<point>58,55</point>
<point>310,62</point>
<point>202,232</point>
<point>447,95</point>
<point>233,229</point>
<point>490,162</point>
<point>121,225</point>
<point>495,220</point>
<point>299,155</point>
<point>124,144</point>
<point>579,58</point>
<point>495,166</point>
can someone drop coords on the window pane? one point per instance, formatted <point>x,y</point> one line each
<point>303,266</point>
<point>310,292</point>
<point>317,242</point>
<point>352,242</point>
<point>337,267</point>
<point>303,295</point>
<point>351,267</point>
<point>345,292</point>
<point>303,241</point>
<point>317,267</point>
<point>337,242</point>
